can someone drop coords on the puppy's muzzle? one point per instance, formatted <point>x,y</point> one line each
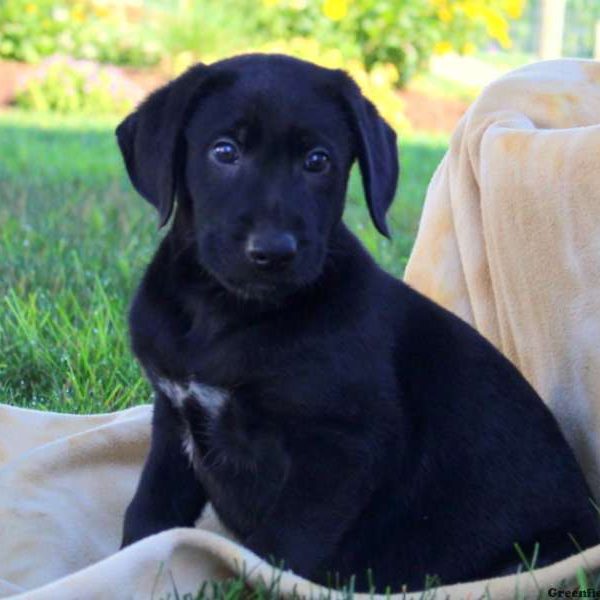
<point>271,251</point>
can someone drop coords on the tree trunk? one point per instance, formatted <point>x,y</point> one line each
<point>551,34</point>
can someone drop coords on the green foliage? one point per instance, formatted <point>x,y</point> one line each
<point>67,86</point>
<point>74,239</point>
<point>33,29</point>
<point>372,31</point>
<point>397,32</point>
<point>580,27</point>
<point>208,27</point>
<point>401,33</point>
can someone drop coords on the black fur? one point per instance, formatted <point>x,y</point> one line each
<point>366,427</point>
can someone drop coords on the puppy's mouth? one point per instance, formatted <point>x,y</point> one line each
<point>261,291</point>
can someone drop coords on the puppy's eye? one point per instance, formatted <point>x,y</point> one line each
<point>317,161</point>
<point>225,152</point>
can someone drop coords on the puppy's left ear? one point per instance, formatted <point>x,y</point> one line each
<point>377,152</point>
<point>150,138</point>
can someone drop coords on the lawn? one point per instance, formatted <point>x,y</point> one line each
<point>74,239</point>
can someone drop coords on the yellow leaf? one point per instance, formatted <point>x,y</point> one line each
<point>469,48</point>
<point>335,10</point>
<point>497,27</point>
<point>514,8</point>
<point>444,14</point>
<point>442,48</point>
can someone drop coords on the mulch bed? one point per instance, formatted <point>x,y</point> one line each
<point>10,75</point>
<point>432,114</point>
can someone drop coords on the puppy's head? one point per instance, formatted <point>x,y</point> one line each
<point>257,150</point>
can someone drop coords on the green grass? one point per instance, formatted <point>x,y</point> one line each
<point>74,239</point>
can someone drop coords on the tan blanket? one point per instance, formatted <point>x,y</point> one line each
<point>507,241</point>
<point>509,238</point>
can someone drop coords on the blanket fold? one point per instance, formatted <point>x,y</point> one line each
<point>62,504</point>
<point>509,240</point>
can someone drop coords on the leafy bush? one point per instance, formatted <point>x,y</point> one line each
<point>226,31</point>
<point>204,27</point>
<point>64,85</point>
<point>402,32</point>
<point>33,29</point>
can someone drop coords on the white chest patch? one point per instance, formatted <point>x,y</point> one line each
<point>211,399</point>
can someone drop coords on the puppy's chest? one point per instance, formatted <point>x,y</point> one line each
<point>212,422</point>
<point>185,396</point>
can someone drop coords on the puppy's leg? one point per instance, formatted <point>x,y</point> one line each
<point>324,493</point>
<point>169,494</point>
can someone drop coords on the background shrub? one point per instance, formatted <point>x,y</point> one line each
<point>404,33</point>
<point>207,27</point>
<point>33,29</point>
<point>65,85</point>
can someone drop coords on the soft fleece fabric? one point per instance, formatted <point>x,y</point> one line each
<point>509,240</point>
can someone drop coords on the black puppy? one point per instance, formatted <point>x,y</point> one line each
<point>336,419</point>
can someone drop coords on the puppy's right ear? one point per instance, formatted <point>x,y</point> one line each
<point>376,150</point>
<point>150,138</point>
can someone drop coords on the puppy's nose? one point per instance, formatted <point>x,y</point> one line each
<point>271,251</point>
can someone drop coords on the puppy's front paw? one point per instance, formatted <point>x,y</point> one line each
<point>142,520</point>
